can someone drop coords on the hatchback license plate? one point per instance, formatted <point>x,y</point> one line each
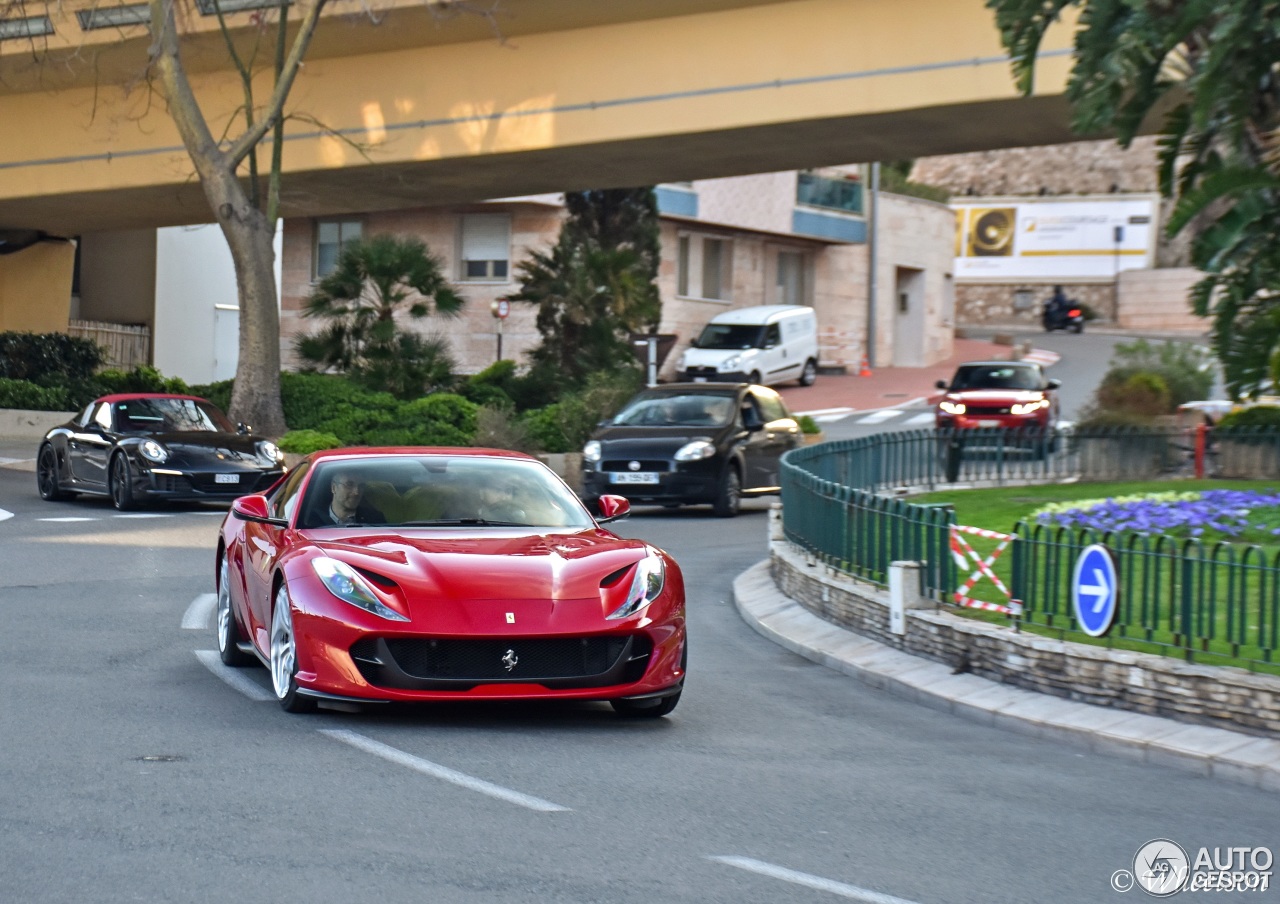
<point>988,423</point>
<point>641,477</point>
<point>226,478</point>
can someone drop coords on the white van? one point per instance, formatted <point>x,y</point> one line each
<point>767,344</point>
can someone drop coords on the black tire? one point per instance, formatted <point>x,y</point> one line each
<point>754,377</point>
<point>646,709</point>
<point>48,480</point>
<point>284,657</point>
<point>1077,327</point>
<point>728,494</point>
<point>120,484</point>
<point>228,626</point>
<point>809,375</point>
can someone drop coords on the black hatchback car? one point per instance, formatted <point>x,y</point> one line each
<point>690,443</point>
<point>150,446</point>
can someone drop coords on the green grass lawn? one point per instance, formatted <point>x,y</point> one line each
<point>1230,609</point>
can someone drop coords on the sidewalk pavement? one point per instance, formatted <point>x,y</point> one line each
<point>1212,752</point>
<point>887,386</point>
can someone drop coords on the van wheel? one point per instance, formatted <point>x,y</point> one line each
<point>809,375</point>
<point>754,377</point>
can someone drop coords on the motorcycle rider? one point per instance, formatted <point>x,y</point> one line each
<point>1055,309</point>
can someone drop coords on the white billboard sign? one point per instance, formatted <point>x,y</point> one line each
<point>1048,239</point>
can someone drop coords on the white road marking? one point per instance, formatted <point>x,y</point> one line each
<point>883,414</point>
<point>145,515</point>
<point>67,518</point>
<point>851,892</point>
<point>426,767</point>
<point>1042,356</point>
<point>234,677</point>
<point>926,418</point>
<point>200,612</point>
<point>825,412</point>
<point>5,515</point>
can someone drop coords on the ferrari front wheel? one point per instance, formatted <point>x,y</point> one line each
<point>228,630</point>
<point>646,709</point>
<point>284,657</point>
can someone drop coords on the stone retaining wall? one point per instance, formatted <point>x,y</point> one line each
<point>1207,695</point>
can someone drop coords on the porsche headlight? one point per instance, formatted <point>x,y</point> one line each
<point>651,576</point>
<point>591,451</point>
<point>695,451</point>
<point>269,453</point>
<point>153,451</point>
<point>343,582</point>
<point>951,407</point>
<point>1028,407</point>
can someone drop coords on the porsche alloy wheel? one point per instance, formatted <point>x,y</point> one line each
<point>284,656</point>
<point>47,475</point>
<point>228,630</point>
<point>121,485</point>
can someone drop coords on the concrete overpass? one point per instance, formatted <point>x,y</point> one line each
<point>422,107</point>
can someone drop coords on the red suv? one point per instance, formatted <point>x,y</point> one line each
<point>1010,395</point>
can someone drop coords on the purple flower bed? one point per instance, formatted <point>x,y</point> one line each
<point>1229,513</point>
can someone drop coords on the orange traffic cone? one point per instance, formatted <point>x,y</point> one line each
<point>865,369</point>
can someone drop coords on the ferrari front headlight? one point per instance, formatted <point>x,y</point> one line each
<point>153,451</point>
<point>345,583</point>
<point>650,578</point>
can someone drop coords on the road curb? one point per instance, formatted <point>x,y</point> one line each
<point>1210,752</point>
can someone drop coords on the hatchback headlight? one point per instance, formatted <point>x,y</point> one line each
<point>651,577</point>
<point>591,451</point>
<point>269,453</point>
<point>153,451</point>
<point>951,407</point>
<point>1028,407</point>
<point>342,581</point>
<point>695,451</point>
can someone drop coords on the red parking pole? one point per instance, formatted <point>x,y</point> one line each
<point>1201,430</point>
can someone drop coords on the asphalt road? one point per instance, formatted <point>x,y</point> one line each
<point>131,771</point>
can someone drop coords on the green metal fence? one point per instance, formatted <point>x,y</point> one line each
<point>844,502</point>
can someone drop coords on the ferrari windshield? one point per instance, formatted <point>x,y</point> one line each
<point>668,409</point>
<point>164,415</point>
<point>997,376</point>
<point>439,491</point>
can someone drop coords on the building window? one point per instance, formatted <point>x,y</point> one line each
<point>705,268</point>
<point>331,236</point>
<point>843,193</point>
<point>486,246</point>
<point>794,279</point>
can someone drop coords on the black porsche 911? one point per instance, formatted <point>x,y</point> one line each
<point>151,446</point>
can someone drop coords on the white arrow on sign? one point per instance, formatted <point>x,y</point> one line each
<point>1100,591</point>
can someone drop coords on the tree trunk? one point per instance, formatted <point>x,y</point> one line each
<point>255,398</point>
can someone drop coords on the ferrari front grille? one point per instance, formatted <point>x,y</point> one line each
<point>424,663</point>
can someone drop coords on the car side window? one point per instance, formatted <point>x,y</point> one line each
<point>769,405</point>
<point>102,417</point>
<point>82,419</point>
<point>286,501</point>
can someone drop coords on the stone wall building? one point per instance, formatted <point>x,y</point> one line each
<point>1150,298</point>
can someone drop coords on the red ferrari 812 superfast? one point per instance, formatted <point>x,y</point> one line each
<point>376,575</point>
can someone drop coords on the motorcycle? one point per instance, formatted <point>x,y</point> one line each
<point>1069,317</point>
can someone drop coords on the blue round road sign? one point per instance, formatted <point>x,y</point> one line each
<point>1094,591</point>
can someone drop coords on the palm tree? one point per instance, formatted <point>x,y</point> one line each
<point>376,279</point>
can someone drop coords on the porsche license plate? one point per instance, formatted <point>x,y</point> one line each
<point>226,478</point>
<point>639,477</point>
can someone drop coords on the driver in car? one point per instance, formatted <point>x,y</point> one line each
<point>348,505</point>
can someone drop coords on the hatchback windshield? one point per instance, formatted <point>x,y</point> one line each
<point>731,336</point>
<point>668,409</point>
<point>170,416</point>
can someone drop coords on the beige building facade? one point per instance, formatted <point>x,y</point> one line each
<point>775,238</point>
